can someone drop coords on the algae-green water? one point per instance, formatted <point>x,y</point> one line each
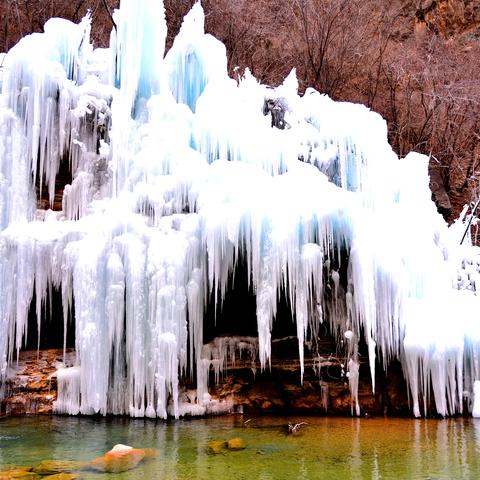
<point>325,448</point>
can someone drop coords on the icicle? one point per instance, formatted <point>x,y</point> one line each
<point>195,59</point>
<point>353,379</point>
<point>476,399</point>
<point>138,43</point>
<point>68,391</point>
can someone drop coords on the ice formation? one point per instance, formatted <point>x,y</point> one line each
<point>177,174</point>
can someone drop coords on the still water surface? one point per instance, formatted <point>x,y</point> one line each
<point>327,448</point>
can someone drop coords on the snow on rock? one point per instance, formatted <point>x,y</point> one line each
<point>177,175</point>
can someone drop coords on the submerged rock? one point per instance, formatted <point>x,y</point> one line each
<point>236,444</point>
<point>215,447</point>
<point>22,474</point>
<point>14,472</point>
<point>22,468</point>
<point>150,453</point>
<point>63,476</point>
<point>120,459</point>
<point>52,467</point>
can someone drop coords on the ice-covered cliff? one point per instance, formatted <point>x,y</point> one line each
<point>179,173</point>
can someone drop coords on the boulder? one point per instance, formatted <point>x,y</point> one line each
<point>120,459</point>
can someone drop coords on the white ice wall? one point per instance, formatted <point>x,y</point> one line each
<point>177,173</point>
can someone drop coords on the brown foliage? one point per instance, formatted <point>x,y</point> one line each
<point>20,17</point>
<point>431,100</point>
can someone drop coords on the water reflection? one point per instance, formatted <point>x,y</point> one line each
<point>326,448</point>
<point>356,456</point>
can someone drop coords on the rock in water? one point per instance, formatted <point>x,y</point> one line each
<point>120,458</point>
<point>236,444</point>
<point>13,472</point>
<point>150,453</point>
<point>63,476</point>
<point>21,474</point>
<point>52,467</point>
<point>215,447</point>
<point>17,467</point>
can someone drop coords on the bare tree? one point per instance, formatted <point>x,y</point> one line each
<point>330,41</point>
<point>20,17</point>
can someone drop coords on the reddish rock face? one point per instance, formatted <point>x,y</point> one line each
<point>31,387</point>
<point>324,390</point>
<point>449,17</point>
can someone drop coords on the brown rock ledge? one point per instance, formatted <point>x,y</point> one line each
<point>32,388</point>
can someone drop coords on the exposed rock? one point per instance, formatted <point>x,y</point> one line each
<point>324,389</point>
<point>449,17</point>
<point>216,447</point>
<point>120,459</point>
<point>236,444</point>
<point>439,193</point>
<point>63,178</point>
<point>276,107</point>
<point>53,467</point>
<point>247,389</point>
<point>31,386</point>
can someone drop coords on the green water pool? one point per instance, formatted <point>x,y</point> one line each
<point>326,448</point>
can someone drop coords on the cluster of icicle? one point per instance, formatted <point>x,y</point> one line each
<point>177,174</point>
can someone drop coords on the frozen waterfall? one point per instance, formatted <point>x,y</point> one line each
<point>177,174</point>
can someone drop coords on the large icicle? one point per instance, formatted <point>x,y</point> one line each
<point>194,60</point>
